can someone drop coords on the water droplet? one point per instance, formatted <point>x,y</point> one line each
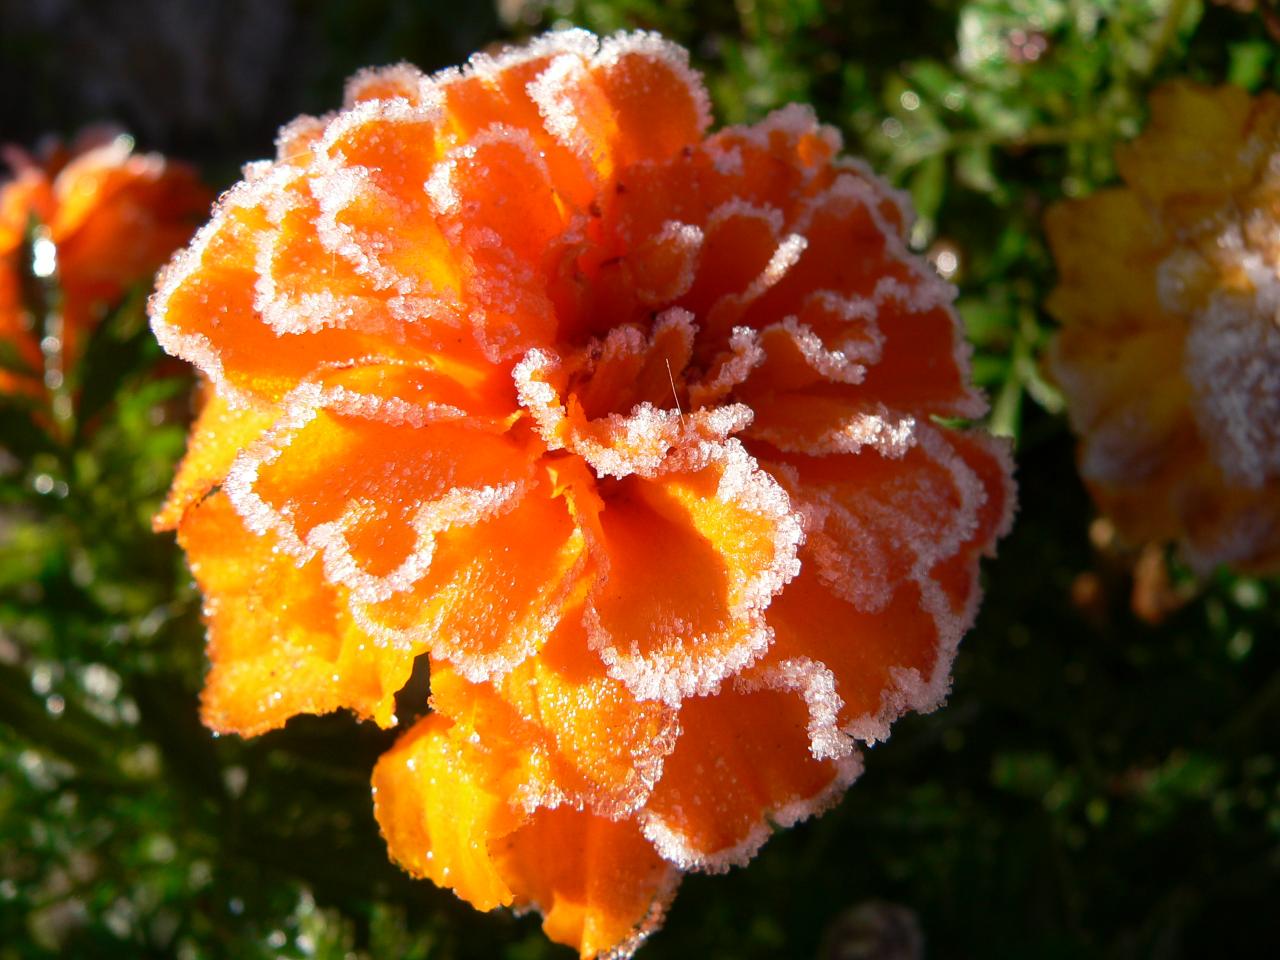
<point>44,257</point>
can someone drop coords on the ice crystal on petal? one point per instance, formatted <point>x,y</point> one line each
<point>629,428</point>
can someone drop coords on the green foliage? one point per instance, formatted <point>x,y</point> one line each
<point>1097,786</point>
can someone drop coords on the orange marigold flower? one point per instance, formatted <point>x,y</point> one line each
<point>105,219</point>
<point>632,430</point>
<point>1169,352</point>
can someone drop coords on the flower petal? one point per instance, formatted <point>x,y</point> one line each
<point>501,570</point>
<point>607,747</point>
<point>439,801</point>
<point>357,475</point>
<point>888,579</point>
<point>440,798</point>
<point>1107,248</point>
<point>219,434</point>
<point>692,559</point>
<point>742,764</point>
<point>598,883</point>
<point>204,309</point>
<point>281,641</point>
<point>1190,151</point>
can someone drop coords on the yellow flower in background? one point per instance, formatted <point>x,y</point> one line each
<point>1169,352</point>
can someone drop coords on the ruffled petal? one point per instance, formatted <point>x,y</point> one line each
<point>608,748</point>
<point>888,575</point>
<point>281,640</point>
<point>499,574</point>
<point>439,797</point>
<point>692,559</point>
<point>1189,154</point>
<point>439,800</point>
<point>367,478</point>
<point>598,884</point>
<point>743,764</point>
<point>1107,248</point>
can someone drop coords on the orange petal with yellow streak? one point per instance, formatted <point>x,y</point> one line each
<point>443,800</point>
<point>281,641</point>
<point>218,435</point>
<point>439,799</point>
<point>607,747</point>
<point>598,884</point>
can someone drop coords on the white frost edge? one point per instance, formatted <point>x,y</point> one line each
<point>671,675</point>
<point>806,679</point>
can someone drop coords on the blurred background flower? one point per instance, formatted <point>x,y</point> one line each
<point>1169,353</point>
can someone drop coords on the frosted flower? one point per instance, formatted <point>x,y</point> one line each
<point>1169,353</point>
<point>630,429</point>
<point>105,218</point>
